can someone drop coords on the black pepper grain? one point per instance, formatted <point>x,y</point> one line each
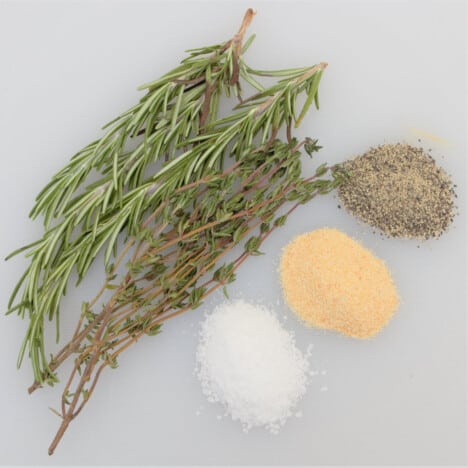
<point>399,189</point>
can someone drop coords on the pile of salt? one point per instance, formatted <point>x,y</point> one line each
<point>249,363</point>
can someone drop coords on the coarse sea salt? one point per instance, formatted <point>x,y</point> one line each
<point>251,365</point>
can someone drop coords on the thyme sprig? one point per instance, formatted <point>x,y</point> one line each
<point>178,257</point>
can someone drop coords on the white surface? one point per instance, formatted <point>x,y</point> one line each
<point>69,67</point>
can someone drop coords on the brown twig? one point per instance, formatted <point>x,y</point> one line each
<point>68,415</point>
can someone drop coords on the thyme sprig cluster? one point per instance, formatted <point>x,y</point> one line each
<point>163,188</point>
<point>178,257</point>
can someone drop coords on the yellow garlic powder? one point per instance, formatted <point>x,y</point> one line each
<point>331,281</point>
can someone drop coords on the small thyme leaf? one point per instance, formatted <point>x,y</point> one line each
<point>311,146</point>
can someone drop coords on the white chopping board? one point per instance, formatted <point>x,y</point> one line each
<point>396,73</point>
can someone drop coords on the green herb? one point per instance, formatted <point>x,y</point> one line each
<point>189,262</point>
<point>79,225</point>
<point>221,182</point>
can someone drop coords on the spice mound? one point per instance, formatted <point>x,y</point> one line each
<point>248,362</point>
<point>400,190</point>
<point>332,282</point>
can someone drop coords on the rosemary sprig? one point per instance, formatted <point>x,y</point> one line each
<point>175,108</point>
<point>177,257</point>
<point>258,117</point>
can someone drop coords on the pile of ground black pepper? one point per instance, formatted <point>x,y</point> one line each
<point>400,190</point>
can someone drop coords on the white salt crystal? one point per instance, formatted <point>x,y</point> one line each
<point>249,363</point>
